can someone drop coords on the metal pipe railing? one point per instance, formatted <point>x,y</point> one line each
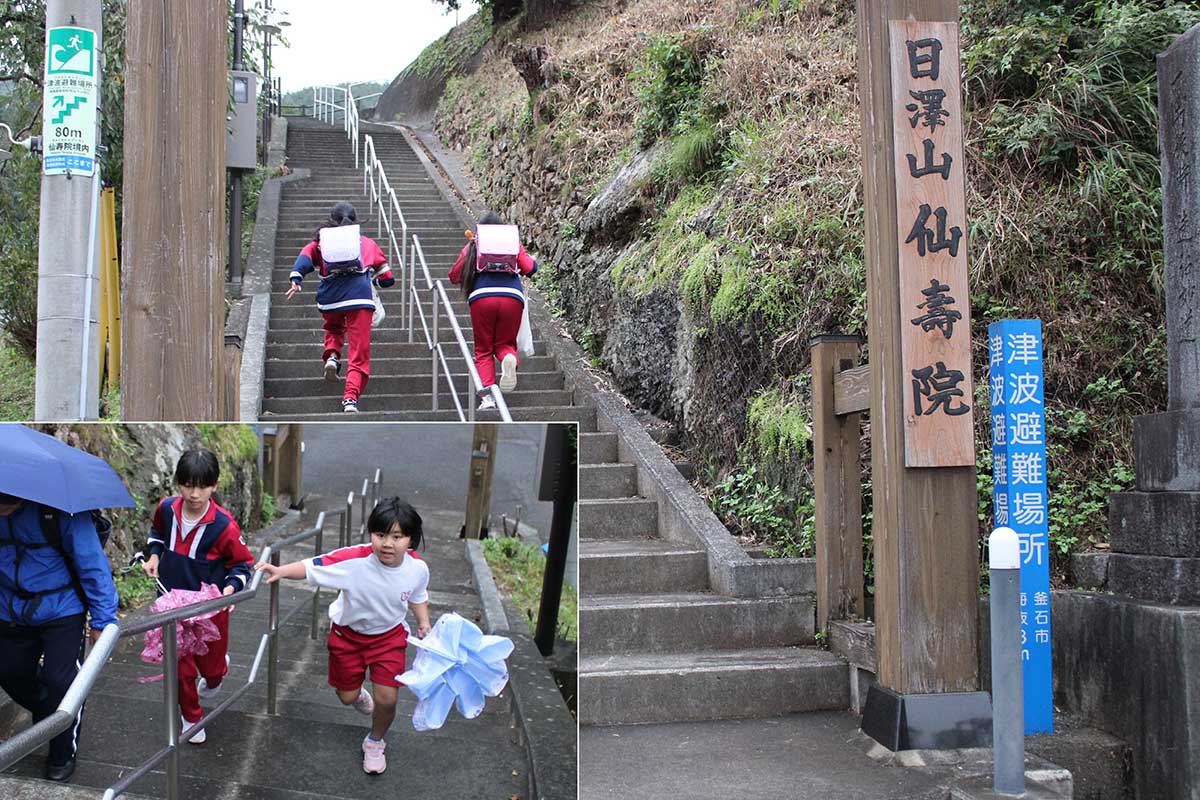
<point>382,198</point>
<point>24,742</point>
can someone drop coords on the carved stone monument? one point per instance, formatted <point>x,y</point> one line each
<point>1127,659</point>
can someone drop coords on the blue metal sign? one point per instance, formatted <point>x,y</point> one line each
<point>1020,499</point>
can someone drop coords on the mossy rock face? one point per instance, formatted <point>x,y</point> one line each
<point>145,455</point>
<point>415,92</point>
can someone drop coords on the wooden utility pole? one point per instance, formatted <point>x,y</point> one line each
<point>174,209</point>
<point>479,480</point>
<point>925,526</point>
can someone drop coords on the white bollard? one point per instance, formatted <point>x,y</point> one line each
<point>1008,701</point>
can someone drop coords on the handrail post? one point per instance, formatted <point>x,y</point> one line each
<point>171,703</point>
<point>362,505</point>
<point>412,270</point>
<point>433,348</point>
<point>349,516</point>
<point>404,301</point>
<point>317,549</point>
<point>273,642</point>
<point>375,488</point>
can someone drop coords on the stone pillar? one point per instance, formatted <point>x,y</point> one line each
<point>1127,660</point>
<point>1155,530</point>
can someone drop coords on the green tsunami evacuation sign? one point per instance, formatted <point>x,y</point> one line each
<point>70,95</point>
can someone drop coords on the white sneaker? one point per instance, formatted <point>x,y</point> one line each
<point>486,403</point>
<point>199,738</point>
<point>508,373</point>
<point>350,406</point>
<point>364,705</point>
<point>374,761</point>
<point>331,369</point>
<point>202,687</point>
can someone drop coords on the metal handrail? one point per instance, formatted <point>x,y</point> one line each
<point>437,292</point>
<point>377,188</point>
<point>28,740</point>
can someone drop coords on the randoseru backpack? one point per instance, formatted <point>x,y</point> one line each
<point>341,249</point>
<point>497,248</point>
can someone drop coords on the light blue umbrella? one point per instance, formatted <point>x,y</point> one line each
<point>456,664</point>
<point>41,469</point>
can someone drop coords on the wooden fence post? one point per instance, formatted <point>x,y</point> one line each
<point>837,483</point>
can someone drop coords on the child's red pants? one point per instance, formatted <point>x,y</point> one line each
<point>355,324</point>
<point>495,321</point>
<point>211,666</point>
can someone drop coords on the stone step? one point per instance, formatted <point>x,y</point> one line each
<point>386,336</point>
<point>584,415</point>
<point>597,448</point>
<point>316,385</point>
<point>392,296</point>
<point>330,400</point>
<point>704,685</point>
<point>598,481</point>
<point>382,368</point>
<point>307,321</point>
<point>635,518</point>
<point>313,349</point>
<point>640,567</point>
<point>274,758</point>
<point>678,622</point>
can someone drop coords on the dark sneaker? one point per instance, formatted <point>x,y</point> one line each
<point>60,772</point>
<point>350,406</point>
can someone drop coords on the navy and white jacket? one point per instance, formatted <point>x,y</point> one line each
<point>214,552</point>
<point>345,291</point>
<point>494,284</point>
<point>29,566</point>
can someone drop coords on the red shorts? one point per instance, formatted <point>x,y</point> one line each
<point>351,652</point>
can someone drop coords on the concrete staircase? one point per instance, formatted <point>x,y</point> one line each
<point>400,385</point>
<point>656,643</point>
<point>312,748</point>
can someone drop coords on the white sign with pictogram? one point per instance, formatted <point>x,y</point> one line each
<point>70,93</point>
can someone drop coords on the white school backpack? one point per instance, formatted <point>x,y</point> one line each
<point>341,249</point>
<point>497,248</point>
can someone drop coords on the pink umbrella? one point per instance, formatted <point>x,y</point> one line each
<point>192,634</point>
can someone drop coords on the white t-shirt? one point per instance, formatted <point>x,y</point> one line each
<point>374,598</point>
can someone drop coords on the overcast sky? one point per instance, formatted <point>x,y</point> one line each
<point>334,41</point>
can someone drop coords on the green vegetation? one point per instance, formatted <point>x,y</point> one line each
<point>16,382</point>
<point>134,588</point>
<point>754,216</point>
<point>448,55</point>
<point>269,510</point>
<point>232,444</point>
<point>518,569</point>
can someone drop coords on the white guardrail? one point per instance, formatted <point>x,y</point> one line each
<point>327,107</point>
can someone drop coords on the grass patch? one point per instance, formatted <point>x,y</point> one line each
<point>518,569</point>
<point>133,588</point>
<point>16,382</point>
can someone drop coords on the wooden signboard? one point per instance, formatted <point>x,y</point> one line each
<point>931,222</point>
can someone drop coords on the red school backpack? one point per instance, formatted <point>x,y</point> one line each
<point>497,248</point>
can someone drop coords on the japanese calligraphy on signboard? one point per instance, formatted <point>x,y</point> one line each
<point>935,314</point>
<point>1020,497</point>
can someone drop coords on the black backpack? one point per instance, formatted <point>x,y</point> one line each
<point>51,519</point>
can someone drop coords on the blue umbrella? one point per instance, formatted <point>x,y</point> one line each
<point>41,469</point>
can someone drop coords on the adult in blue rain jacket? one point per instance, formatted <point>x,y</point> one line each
<point>44,604</point>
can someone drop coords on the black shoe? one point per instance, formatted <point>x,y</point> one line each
<point>60,772</point>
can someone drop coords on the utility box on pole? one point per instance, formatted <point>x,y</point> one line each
<point>67,383</point>
<point>240,152</point>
